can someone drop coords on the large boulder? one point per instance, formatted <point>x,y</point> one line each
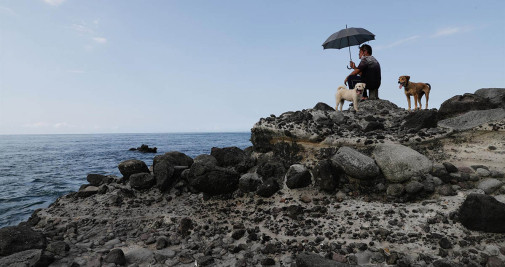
<point>141,181</point>
<point>460,104</point>
<point>268,188</point>
<point>228,156</point>
<point>249,182</point>
<point>205,176</point>
<point>298,176</point>
<point>495,96</point>
<point>473,119</point>
<point>490,185</point>
<point>326,175</point>
<point>421,119</point>
<point>164,174</point>
<point>356,164</point>
<point>19,238</point>
<point>399,163</point>
<point>176,158</point>
<point>31,257</point>
<point>483,213</point>
<point>132,166</point>
<point>323,107</point>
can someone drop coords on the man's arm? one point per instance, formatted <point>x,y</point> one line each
<point>356,71</point>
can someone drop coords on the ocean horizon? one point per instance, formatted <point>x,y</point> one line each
<point>36,169</point>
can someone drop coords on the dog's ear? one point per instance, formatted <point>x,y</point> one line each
<point>364,85</point>
<point>408,78</point>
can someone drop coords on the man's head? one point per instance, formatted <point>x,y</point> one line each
<point>366,49</point>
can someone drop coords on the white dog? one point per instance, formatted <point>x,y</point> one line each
<point>353,95</point>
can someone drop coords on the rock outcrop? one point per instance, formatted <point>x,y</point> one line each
<point>319,187</point>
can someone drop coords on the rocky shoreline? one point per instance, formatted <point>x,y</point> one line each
<point>378,187</point>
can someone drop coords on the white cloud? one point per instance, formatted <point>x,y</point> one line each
<point>399,42</point>
<point>54,2</point>
<point>450,31</point>
<point>100,40</point>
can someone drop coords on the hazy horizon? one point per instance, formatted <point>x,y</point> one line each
<point>92,67</point>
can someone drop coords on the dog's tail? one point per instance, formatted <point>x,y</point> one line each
<point>341,87</point>
<point>429,85</point>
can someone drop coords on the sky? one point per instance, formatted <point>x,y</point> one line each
<point>124,66</point>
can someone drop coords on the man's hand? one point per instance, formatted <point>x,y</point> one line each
<point>351,63</point>
<point>345,81</point>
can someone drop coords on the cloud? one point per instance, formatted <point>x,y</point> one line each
<point>399,42</point>
<point>81,28</point>
<point>54,2</point>
<point>100,40</point>
<point>450,31</point>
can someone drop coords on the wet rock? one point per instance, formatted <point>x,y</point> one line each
<point>355,164</point>
<point>19,238</point>
<point>129,167</point>
<point>298,177</point>
<point>141,181</point>
<point>482,213</point>
<point>145,149</point>
<point>116,256</point>
<point>398,163</point>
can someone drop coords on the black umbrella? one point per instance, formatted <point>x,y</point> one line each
<point>347,38</point>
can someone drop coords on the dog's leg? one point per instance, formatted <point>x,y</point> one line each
<point>415,101</point>
<point>408,100</point>
<point>427,98</point>
<point>341,104</point>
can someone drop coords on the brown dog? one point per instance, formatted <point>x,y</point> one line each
<point>417,90</point>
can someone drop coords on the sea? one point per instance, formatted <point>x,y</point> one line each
<point>37,169</point>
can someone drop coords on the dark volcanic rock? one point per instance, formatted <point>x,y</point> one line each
<point>326,175</point>
<point>260,138</point>
<point>164,174</point>
<point>145,149</point>
<point>228,156</point>
<point>96,179</point>
<point>142,181</point>
<point>176,158</point>
<point>18,238</point>
<point>298,176</point>
<point>323,107</point>
<point>268,188</point>
<point>272,168</point>
<point>206,177</point>
<point>460,104</point>
<point>249,182</point>
<point>133,166</point>
<point>31,257</point>
<point>115,256</point>
<point>483,213</point>
<point>421,119</point>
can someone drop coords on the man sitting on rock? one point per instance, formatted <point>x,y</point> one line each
<point>368,72</point>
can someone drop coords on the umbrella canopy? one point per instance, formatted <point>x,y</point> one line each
<point>348,37</point>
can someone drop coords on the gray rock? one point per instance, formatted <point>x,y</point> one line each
<point>249,182</point>
<point>398,163</point>
<point>326,175</point>
<point>228,156</point>
<point>142,181</point>
<point>176,158</point>
<point>473,119</point>
<point>139,255</point>
<point>133,166</point>
<point>115,256</point>
<point>298,177</point>
<point>87,191</point>
<point>355,164</point>
<point>395,190</point>
<point>306,259</point>
<point>460,104</point>
<point>19,238</point>
<point>483,172</point>
<point>96,179</point>
<point>31,257</point>
<point>59,248</point>
<point>414,187</point>
<point>446,190</point>
<point>268,188</point>
<point>490,185</point>
<point>494,95</point>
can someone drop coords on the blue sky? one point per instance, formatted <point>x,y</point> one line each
<point>69,66</point>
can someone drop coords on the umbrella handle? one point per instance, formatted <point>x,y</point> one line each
<point>349,68</point>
